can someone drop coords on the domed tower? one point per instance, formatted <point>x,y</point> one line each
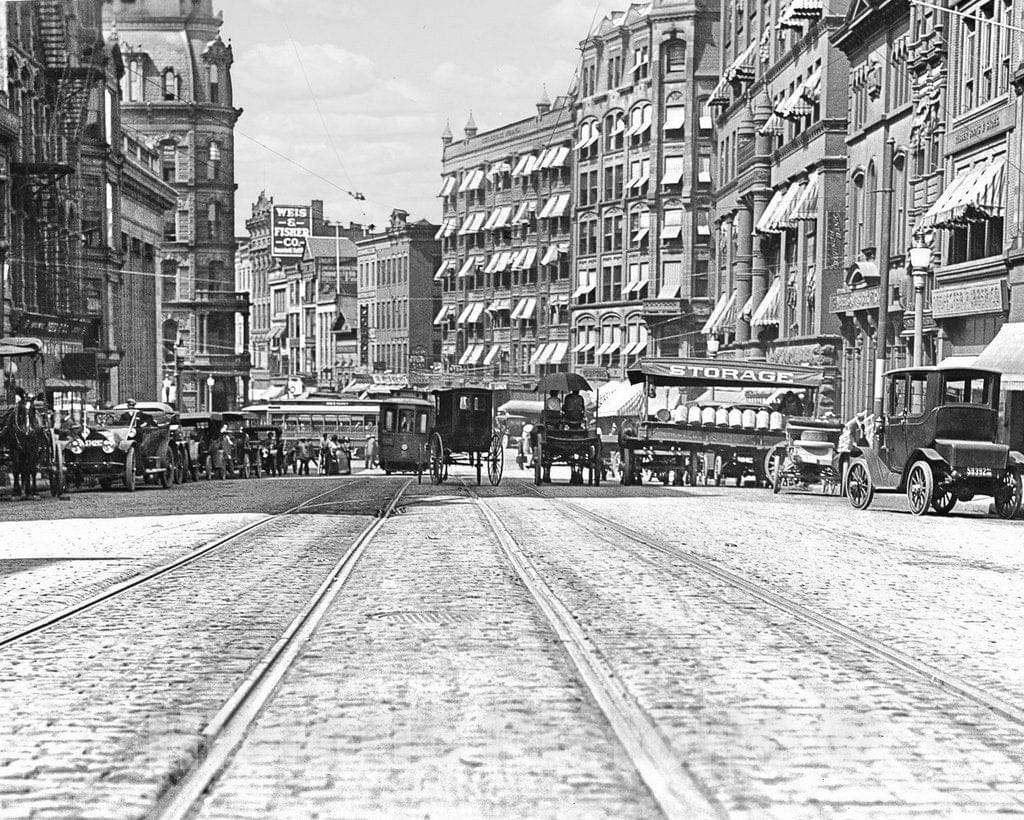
<point>177,91</point>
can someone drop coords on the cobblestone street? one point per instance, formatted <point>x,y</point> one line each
<point>795,657</point>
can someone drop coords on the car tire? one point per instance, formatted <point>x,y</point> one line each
<point>920,487</point>
<point>129,470</point>
<point>1008,496</point>
<point>859,488</point>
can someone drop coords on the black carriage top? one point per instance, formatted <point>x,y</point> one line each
<point>465,418</point>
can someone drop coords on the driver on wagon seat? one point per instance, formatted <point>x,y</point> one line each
<point>573,409</point>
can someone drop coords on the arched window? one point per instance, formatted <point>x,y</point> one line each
<point>214,75</point>
<point>675,56</point>
<point>171,85</point>
<point>132,83</point>
<point>870,194</point>
<point>856,212</point>
<point>213,220</point>
<point>213,161</point>
<point>614,130</point>
<point>898,244</point>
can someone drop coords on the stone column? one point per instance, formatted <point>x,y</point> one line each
<point>741,268</point>
<point>760,195</point>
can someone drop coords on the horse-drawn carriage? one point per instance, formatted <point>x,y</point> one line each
<point>28,441</point>
<point>465,433</point>
<point>810,456</point>
<point>564,436</point>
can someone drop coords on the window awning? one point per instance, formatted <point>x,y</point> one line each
<point>491,263</point>
<point>673,171</point>
<point>609,348</point>
<point>444,313</point>
<point>715,313</point>
<point>772,125</point>
<point>1005,354</point>
<point>584,347</point>
<point>504,259</point>
<point>748,308</point>
<point>742,68</point>
<point>523,211</point>
<point>499,218</point>
<point>499,169</point>
<point>642,124</point>
<point>673,227</point>
<point>589,134</point>
<point>469,266</point>
<point>446,266</point>
<point>441,231</point>
<point>450,226</point>
<point>527,309</point>
<point>475,312</point>
<point>720,95</point>
<point>770,209</point>
<point>447,186</point>
<point>553,157</point>
<point>525,259</point>
<point>472,355</point>
<point>492,354</point>
<point>637,285</point>
<point>796,11</point>
<point>675,117</point>
<point>277,330</point>
<point>499,305</point>
<point>473,223</point>
<point>555,207</point>
<point>640,178</point>
<point>584,289</point>
<point>472,180</point>
<point>727,318</point>
<point>558,351</point>
<point>806,207</point>
<point>466,309</point>
<point>767,312</point>
<point>521,165</point>
<point>975,194</point>
<point>669,291</point>
<point>550,255</point>
<point>518,309</point>
<point>538,355</point>
<point>466,354</point>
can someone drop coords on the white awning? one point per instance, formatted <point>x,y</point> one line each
<point>673,227</point>
<point>589,134</point>
<point>715,313</point>
<point>782,218</point>
<point>770,208</point>
<point>642,124</point>
<point>772,126</point>
<point>584,289</point>
<point>673,171</point>
<point>491,263</point>
<point>550,255</point>
<point>640,178</point>
<point>444,313</point>
<point>742,68</point>
<point>669,291</point>
<point>499,169</point>
<point>523,211</point>
<point>748,308</point>
<point>492,354</point>
<point>976,193</point>
<point>610,348</point>
<point>466,310</point>
<point>475,313</point>
<point>767,312</point>
<point>525,259</point>
<point>538,355</point>
<point>518,309</point>
<point>499,218</point>
<point>473,223</point>
<point>466,354</point>
<point>499,305</point>
<point>502,262</point>
<point>447,186</point>
<point>528,308</point>
<point>675,117</point>
<point>1005,354</point>
<point>806,207</point>
<point>472,355</point>
<point>446,266</point>
<point>555,207</point>
<point>470,266</point>
<point>520,169</point>
<point>441,230</point>
<point>726,318</point>
<point>472,180</point>
<point>558,352</point>
<point>583,347</point>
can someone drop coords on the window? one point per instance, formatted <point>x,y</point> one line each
<point>918,392</point>
<point>704,169</point>
<point>898,396</point>
<point>965,390</point>
<point>110,215</point>
<point>134,81</point>
<point>108,116</point>
<point>856,203</point>
<point>168,161</point>
<point>675,56</point>
<point>612,233</point>
<point>213,220</point>
<point>870,194</point>
<point>983,59</point>
<point>641,63</point>
<point>588,237</point>
<point>214,75</point>
<point>171,85</point>
<point>213,163</point>
<point>899,204</point>
<point>615,71</point>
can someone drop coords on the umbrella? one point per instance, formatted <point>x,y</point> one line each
<point>563,383</point>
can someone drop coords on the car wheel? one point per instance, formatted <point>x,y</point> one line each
<point>129,470</point>
<point>209,468</point>
<point>920,487</point>
<point>1008,496</point>
<point>944,501</point>
<point>776,473</point>
<point>106,483</point>
<point>246,466</point>
<point>858,486</point>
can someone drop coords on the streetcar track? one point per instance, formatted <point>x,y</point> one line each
<point>227,730</point>
<point>37,626</point>
<point>907,663</point>
<point>677,791</point>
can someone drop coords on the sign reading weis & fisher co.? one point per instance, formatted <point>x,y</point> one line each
<point>290,225</point>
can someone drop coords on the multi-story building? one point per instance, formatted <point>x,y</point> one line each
<point>54,59</point>
<point>144,200</point>
<point>506,245</point>
<point>398,296</point>
<point>781,182</point>
<point>177,90</point>
<point>244,284</point>
<point>643,180</point>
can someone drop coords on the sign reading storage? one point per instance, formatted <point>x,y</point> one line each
<point>290,225</point>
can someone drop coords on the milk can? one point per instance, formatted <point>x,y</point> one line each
<point>735,417</point>
<point>721,417</point>
<point>707,416</point>
<point>749,419</point>
<point>693,415</point>
<point>762,419</point>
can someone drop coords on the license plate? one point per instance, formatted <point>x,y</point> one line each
<point>978,472</point>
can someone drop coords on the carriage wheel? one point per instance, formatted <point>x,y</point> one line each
<point>1008,496</point>
<point>495,461</point>
<point>129,470</point>
<point>58,479</point>
<point>538,463</point>
<point>479,468</point>
<point>628,457</point>
<point>719,464</point>
<point>920,487</point>
<point>859,486</point>
<point>167,476</point>
<point>777,473</point>
<point>436,458</point>
<point>595,464</point>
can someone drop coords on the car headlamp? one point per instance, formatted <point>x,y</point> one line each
<point>107,446</point>
<point>76,446</point>
<point>130,434</point>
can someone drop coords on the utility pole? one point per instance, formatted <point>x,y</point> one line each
<point>884,251</point>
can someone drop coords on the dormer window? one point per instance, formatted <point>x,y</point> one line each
<point>214,74</point>
<point>171,85</point>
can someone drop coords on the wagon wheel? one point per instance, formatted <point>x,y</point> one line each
<point>495,461</point>
<point>538,463</point>
<point>777,473</point>
<point>167,476</point>
<point>595,464</point>
<point>58,478</point>
<point>1008,496</point>
<point>436,458</point>
<point>129,470</point>
<point>719,464</point>
<point>479,467</point>
<point>920,487</point>
<point>246,466</point>
<point>858,485</point>
<point>627,466</point>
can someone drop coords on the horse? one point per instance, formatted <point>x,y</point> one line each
<point>23,434</point>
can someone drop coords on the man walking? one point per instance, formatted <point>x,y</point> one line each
<point>302,457</point>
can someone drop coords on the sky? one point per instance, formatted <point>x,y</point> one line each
<point>359,91</point>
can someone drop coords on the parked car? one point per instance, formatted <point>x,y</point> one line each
<point>124,444</point>
<point>235,442</point>
<point>938,443</point>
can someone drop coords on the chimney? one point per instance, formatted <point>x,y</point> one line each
<point>446,135</point>
<point>544,105</point>
<point>470,129</point>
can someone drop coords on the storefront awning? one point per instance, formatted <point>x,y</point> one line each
<point>1005,355</point>
<point>767,312</point>
<point>624,400</point>
<point>975,193</point>
<point>722,371</point>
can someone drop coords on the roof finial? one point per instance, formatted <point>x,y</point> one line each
<point>470,129</point>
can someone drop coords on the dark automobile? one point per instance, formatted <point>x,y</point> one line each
<point>123,444</point>
<point>938,442</point>
<point>238,456</point>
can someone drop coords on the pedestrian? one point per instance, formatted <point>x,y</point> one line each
<point>345,457</point>
<point>302,457</point>
<point>279,456</point>
<point>371,449</point>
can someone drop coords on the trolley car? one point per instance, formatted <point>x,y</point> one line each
<point>406,428</point>
<point>465,434</point>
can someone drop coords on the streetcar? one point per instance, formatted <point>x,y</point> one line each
<point>406,428</point>
<point>309,419</point>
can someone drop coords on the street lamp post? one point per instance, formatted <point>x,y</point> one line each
<point>210,382</point>
<point>920,265</point>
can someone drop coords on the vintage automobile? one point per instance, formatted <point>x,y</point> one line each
<point>235,441</point>
<point>124,444</point>
<point>938,443</point>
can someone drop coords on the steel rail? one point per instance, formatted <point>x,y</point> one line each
<point>901,660</point>
<point>8,638</point>
<point>228,728</point>
<point>678,793</point>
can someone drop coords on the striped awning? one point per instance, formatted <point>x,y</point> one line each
<point>772,125</point>
<point>726,318</point>
<point>781,217</point>
<point>720,95</point>
<point>802,101</point>
<point>444,313</point>
<point>446,266</point>
<point>767,312</point>
<point>975,194</point>
<point>748,308</point>
<point>796,12</point>
<point>447,186</point>
<point>523,211</point>
<point>770,209</point>
<point>806,207</point>
<point>742,68</point>
<point>723,300</point>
